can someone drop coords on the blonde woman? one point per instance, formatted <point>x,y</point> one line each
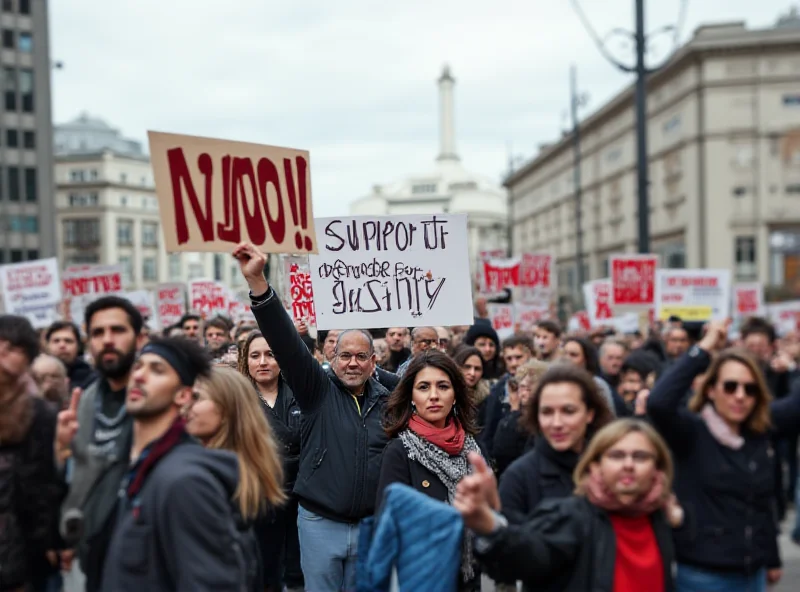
<point>612,535</point>
<point>226,415</point>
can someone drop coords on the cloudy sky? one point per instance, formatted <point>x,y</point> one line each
<point>350,80</point>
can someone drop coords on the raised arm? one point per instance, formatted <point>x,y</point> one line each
<point>302,372</point>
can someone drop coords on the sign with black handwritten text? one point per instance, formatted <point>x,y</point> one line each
<point>391,271</point>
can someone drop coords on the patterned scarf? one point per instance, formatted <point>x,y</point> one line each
<point>450,470</point>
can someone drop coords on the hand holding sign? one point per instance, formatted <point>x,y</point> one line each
<point>251,263</point>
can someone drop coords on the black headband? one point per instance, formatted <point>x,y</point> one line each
<point>175,358</point>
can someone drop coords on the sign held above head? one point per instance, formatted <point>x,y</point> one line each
<point>214,194</point>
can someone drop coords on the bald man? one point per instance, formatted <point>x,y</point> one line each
<point>422,339</point>
<point>50,375</point>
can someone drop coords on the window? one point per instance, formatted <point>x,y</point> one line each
<point>15,223</point>
<point>93,175</point>
<point>24,6</point>
<point>12,138</point>
<point>423,188</point>
<point>793,188</point>
<point>672,124</point>
<point>125,232</point>
<point>33,254</point>
<point>746,258</point>
<point>218,267</point>
<point>81,232</point>
<point>76,175</point>
<point>27,224</point>
<point>149,234</point>
<point>124,201</point>
<point>30,184</point>
<point>83,200</point>
<point>13,184</point>
<point>16,255</point>
<point>149,269</point>
<point>8,5</point>
<point>70,236</point>
<point>10,88</point>
<point>739,191</point>
<point>196,270</point>
<point>174,266</point>
<point>8,39</point>
<point>127,269</point>
<point>32,224</point>
<point>83,259</point>
<point>26,89</point>
<point>25,42</point>
<point>144,181</point>
<point>29,140</point>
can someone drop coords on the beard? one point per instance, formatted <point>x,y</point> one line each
<point>118,368</point>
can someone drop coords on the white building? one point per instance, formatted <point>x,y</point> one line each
<point>107,210</point>
<point>446,188</point>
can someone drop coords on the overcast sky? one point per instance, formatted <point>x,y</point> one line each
<point>352,81</point>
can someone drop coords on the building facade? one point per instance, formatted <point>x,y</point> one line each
<point>447,188</point>
<point>724,166</point>
<point>27,213</point>
<point>108,212</point>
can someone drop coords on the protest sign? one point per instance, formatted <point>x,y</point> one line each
<point>31,290</point>
<point>299,290</point>
<point>748,300</point>
<point>527,315</point>
<point>536,278</point>
<point>208,298</point>
<point>502,317</point>
<point>501,273</point>
<point>213,194</point>
<point>693,294</point>
<point>633,279</point>
<point>597,295</point>
<point>579,322</point>
<point>483,257</point>
<point>143,301</point>
<point>785,316</point>
<point>170,303</point>
<point>392,271</point>
<point>82,284</point>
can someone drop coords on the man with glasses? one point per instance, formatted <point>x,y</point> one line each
<point>342,434</point>
<point>422,339</point>
<point>444,338</point>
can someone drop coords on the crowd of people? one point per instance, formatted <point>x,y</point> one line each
<point>247,457</point>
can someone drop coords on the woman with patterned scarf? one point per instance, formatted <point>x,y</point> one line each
<point>430,417</point>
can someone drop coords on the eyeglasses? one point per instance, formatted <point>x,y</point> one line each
<point>361,357</point>
<point>444,342</point>
<point>638,456</point>
<point>730,387</point>
<point>426,342</point>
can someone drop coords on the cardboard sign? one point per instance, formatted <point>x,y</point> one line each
<point>633,279</point>
<point>32,290</point>
<point>748,300</point>
<point>527,315</point>
<point>693,294</point>
<point>300,296</point>
<point>501,273</point>
<point>597,295</point>
<point>170,303</point>
<point>785,316</point>
<point>392,271</point>
<point>208,298</point>
<point>502,317</point>
<point>82,284</point>
<point>214,194</point>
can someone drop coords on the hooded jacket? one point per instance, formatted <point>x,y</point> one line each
<point>182,530</point>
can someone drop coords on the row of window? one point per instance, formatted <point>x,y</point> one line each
<point>11,6</point>
<point>86,232</point>
<point>21,184</point>
<point>83,175</point>
<point>149,269</point>
<point>18,89</point>
<point>125,233</point>
<point>22,41</point>
<point>13,139</point>
<point>18,255</point>
<point>26,224</point>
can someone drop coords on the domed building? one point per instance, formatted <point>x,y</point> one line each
<point>447,188</point>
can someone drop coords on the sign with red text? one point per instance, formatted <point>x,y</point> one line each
<point>501,273</point>
<point>484,256</point>
<point>82,284</point>
<point>785,316</point>
<point>392,271</point>
<point>633,279</point>
<point>299,291</point>
<point>32,290</point>
<point>579,321</point>
<point>502,317</point>
<point>170,303</point>
<point>693,294</point>
<point>143,301</point>
<point>597,295</point>
<point>208,298</point>
<point>214,194</point>
<point>537,280</point>
<point>527,315</point>
<point>748,300</point>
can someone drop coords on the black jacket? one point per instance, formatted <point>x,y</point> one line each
<point>540,474</point>
<point>727,495</point>
<point>29,488</point>
<point>183,532</point>
<point>386,379</point>
<point>568,544</point>
<point>396,467</point>
<point>510,441</point>
<point>490,412</point>
<point>341,449</point>
<point>284,419</point>
<point>396,359</point>
<point>80,374</point>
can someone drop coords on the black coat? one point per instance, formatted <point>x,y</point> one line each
<point>80,374</point>
<point>510,441</point>
<point>396,467</point>
<point>341,442</point>
<point>490,412</point>
<point>727,495</point>
<point>284,419</point>
<point>568,544</point>
<point>540,474</point>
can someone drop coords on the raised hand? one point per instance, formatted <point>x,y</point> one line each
<point>251,264</point>
<point>477,497</point>
<point>716,335</point>
<point>67,426</point>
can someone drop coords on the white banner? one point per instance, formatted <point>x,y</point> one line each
<point>170,303</point>
<point>502,317</point>
<point>143,301</point>
<point>84,284</point>
<point>391,271</point>
<point>32,290</point>
<point>693,294</point>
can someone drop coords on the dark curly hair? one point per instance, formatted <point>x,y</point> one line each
<point>565,372</point>
<point>398,410</point>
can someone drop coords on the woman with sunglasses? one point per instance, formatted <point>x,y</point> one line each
<point>430,419</point>
<point>724,464</point>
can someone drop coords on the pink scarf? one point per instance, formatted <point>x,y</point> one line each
<point>599,495</point>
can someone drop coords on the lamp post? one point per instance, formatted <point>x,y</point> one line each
<point>577,100</point>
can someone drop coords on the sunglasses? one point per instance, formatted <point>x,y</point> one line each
<point>730,387</point>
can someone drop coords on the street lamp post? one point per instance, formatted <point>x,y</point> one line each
<point>577,100</point>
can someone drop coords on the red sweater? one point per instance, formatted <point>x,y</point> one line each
<point>638,565</point>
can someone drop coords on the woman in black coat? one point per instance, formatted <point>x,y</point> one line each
<point>430,419</point>
<point>563,411</point>
<point>725,478</point>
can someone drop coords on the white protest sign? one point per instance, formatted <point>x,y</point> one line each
<point>170,303</point>
<point>693,294</point>
<point>391,271</point>
<point>502,317</point>
<point>785,316</point>
<point>32,290</point>
<point>143,301</point>
<point>83,284</point>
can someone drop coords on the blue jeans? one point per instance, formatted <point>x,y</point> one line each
<point>328,552</point>
<point>693,579</point>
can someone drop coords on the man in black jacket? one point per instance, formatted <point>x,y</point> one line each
<point>64,342</point>
<point>176,525</point>
<point>342,435</point>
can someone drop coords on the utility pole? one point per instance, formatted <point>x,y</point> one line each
<point>576,100</point>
